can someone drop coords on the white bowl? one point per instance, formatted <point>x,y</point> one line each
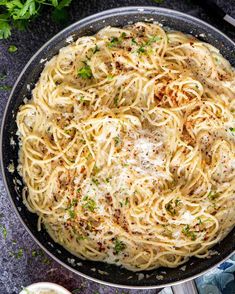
<point>44,286</point>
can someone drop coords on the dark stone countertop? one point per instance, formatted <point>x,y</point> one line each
<point>17,265</point>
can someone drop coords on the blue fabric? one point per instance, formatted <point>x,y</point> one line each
<point>220,280</point>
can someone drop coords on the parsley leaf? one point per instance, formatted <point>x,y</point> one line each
<point>95,181</point>
<point>232,129</point>
<point>19,13</point>
<point>170,208</point>
<point>12,49</point>
<point>64,3</point>
<point>5,28</point>
<point>212,196</point>
<point>72,213</point>
<point>117,140</point>
<point>141,49</point>
<point>177,202</point>
<point>119,246</point>
<point>85,72</point>
<point>89,204</point>
<point>19,254</point>
<point>96,49</point>
<point>5,88</point>
<point>71,210</point>
<point>4,231</point>
<point>60,15</point>
<point>151,40</point>
<point>199,220</point>
<point>116,41</point>
<point>116,101</point>
<point>133,41</point>
<point>186,231</point>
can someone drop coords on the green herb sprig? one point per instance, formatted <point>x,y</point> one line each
<point>85,72</point>
<point>19,13</point>
<point>89,204</point>
<point>71,211</point>
<point>119,246</point>
<point>142,47</point>
<point>212,196</point>
<point>115,41</point>
<point>188,233</point>
<point>4,231</point>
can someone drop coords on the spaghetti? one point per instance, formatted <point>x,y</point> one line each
<point>127,147</point>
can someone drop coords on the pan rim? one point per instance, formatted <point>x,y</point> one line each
<point>115,11</point>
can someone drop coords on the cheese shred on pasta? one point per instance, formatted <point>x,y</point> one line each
<point>127,147</point>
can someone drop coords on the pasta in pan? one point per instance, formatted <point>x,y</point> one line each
<point>127,147</point>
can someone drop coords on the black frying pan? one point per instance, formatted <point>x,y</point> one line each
<point>104,273</point>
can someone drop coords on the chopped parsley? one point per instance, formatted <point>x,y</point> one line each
<point>199,220</point>
<point>85,72</point>
<point>95,181</point>
<point>39,253</point>
<point>36,253</point>
<point>4,231</point>
<point>81,98</point>
<point>186,231</point>
<point>72,213</point>
<point>96,49</point>
<point>3,76</point>
<point>12,49</point>
<point>117,140</point>
<point>95,169</point>
<point>17,254</point>
<point>46,261</point>
<point>80,237</point>
<point>74,202</point>
<point>5,88</point>
<point>141,49</point>
<point>151,40</point>
<point>126,201</point>
<point>170,208</point>
<point>82,141</point>
<point>107,180</point>
<point>133,41</point>
<point>116,101</point>
<point>116,41</point>
<point>177,202</point>
<point>89,204</point>
<point>18,14</point>
<point>212,196</point>
<point>71,210</point>
<point>232,129</point>
<point>119,246</point>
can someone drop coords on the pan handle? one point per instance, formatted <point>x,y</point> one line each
<point>185,288</point>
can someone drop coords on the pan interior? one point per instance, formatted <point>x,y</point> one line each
<point>102,272</point>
